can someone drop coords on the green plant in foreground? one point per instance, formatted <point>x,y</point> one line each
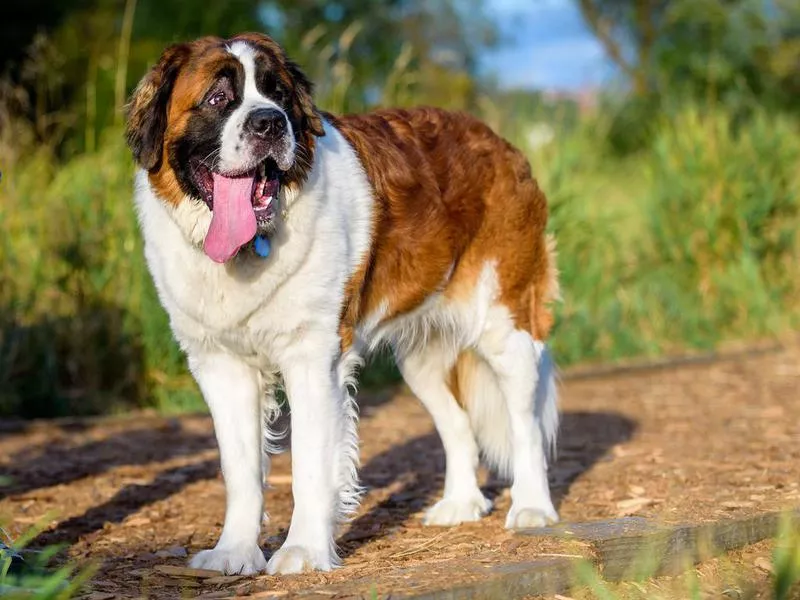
<point>786,561</point>
<point>24,574</point>
<point>641,582</point>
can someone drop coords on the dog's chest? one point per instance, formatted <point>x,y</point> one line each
<point>247,312</point>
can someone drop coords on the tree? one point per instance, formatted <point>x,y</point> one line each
<point>78,65</point>
<point>720,49</point>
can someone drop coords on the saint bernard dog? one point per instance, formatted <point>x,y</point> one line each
<point>286,243</point>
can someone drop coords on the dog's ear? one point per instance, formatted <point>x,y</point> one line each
<point>147,109</point>
<point>304,100</point>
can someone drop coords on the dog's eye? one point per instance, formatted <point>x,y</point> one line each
<point>218,99</point>
<point>272,90</point>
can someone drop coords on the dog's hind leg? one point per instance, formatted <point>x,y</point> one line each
<point>526,378</point>
<point>426,369</point>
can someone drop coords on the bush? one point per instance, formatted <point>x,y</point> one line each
<point>723,216</point>
<point>81,329</point>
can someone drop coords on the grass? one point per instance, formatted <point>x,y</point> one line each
<point>690,242</point>
<point>727,576</point>
<point>26,574</point>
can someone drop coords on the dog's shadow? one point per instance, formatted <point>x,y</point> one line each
<point>585,439</point>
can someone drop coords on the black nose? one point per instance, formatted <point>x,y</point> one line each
<point>265,122</point>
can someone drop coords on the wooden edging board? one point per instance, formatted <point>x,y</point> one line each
<point>622,549</point>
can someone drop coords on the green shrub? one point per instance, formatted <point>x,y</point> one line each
<point>723,215</point>
<point>81,329</point>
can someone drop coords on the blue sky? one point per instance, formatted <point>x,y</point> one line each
<point>545,45</point>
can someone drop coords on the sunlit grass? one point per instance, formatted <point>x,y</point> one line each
<point>728,575</point>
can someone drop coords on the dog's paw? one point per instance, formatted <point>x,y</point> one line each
<point>528,517</point>
<point>289,560</point>
<point>246,560</point>
<point>452,511</point>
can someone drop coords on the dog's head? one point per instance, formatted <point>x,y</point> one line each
<point>227,123</point>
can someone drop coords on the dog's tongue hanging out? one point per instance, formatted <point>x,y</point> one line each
<point>233,222</point>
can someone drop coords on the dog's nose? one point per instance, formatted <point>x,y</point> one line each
<point>266,122</point>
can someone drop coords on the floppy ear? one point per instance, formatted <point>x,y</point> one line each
<point>147,110</point>
<point>303,91</point>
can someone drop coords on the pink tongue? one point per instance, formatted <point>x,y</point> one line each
<point>233,222</point>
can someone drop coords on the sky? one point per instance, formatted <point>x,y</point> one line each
<point>545,45</point>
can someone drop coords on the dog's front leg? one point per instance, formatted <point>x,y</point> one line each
<point>317,415</point>
<point>230,388</point>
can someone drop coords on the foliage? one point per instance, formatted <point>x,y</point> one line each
<point>80,63</point>
<point>26,575</point>
<point>728,574</point>
<point>692,242</point>
<point>740,53</point>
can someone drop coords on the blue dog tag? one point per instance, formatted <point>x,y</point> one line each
<point>262,246</point>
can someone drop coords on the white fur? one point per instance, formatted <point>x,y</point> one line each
<point>235,154</point>
<point>243,322</point>
<point>279,314</point>
<point>510,400</point>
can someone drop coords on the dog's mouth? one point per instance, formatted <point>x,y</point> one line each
<point>264,191</point>
<point>241,204</point>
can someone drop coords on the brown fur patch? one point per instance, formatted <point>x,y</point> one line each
<point>450,194</point>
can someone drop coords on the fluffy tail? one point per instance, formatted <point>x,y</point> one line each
<point>479,392</point>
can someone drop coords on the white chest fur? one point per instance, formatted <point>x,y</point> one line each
<point>255,307</point>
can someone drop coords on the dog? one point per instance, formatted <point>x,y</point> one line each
<point>287,243</point>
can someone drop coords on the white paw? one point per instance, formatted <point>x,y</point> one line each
<point>245,560</point>
<point>289,560</point>
<point>528,518</point>
<point>452,511</point>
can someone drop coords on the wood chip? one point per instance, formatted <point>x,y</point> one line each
<point>223,579</point>
<point>734,504</point>
<point>636,490</point>
<point>763,563</point>
<point>632,506</point>
<point>214,595</point>
<point>172,552</point>
<point>186,572</point>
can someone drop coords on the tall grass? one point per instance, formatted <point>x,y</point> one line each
<point>692,241</point>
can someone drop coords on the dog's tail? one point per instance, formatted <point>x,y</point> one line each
<point>479,392</point>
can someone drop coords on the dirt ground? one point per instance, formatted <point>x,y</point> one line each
<point>685,444</point>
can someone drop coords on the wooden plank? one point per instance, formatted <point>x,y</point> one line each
<point>622,549</point>
<point>509,581</point>
<point>633,547</point>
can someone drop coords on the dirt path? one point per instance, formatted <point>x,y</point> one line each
<point>689,444</point>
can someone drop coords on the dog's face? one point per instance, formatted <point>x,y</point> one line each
<point>225,122</point>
